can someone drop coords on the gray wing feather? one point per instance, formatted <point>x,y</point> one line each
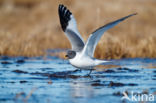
<point>96,35</point>
<point>75,40</point>
<point>69,26</point>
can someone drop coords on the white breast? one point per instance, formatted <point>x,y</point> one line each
<point>83,62</point>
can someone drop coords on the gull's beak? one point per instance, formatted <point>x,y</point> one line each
<point>66,56</point>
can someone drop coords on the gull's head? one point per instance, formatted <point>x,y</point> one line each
<point>70,54</point>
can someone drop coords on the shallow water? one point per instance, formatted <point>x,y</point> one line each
<point>53,80</point>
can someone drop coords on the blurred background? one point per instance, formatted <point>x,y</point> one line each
<point>30,27</point>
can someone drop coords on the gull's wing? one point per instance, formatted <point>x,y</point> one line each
<point>69,26</point>
<point>96,35</point>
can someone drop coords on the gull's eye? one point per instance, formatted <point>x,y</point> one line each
<point>69,53</point>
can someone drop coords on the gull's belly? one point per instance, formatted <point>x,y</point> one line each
<point>82,63</point>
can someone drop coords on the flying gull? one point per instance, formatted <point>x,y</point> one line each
<point>81,54</point>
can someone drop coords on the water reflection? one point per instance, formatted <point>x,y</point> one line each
<point>81,89</point>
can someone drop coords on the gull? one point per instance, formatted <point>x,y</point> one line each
<point>81,54</point>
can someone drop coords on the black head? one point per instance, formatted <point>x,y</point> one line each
<point>70,54</point>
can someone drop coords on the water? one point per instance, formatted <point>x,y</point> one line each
<point>53,80</point>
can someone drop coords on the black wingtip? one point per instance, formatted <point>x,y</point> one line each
<point>64,15</point>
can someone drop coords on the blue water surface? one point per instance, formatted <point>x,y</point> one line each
<point>53,80</point>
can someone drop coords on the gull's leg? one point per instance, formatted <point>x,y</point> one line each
<point>90,71</point>
<point>88,75</point>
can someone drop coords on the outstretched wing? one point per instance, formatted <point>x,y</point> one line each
<point>69,26</point>
<point>96,35</point>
